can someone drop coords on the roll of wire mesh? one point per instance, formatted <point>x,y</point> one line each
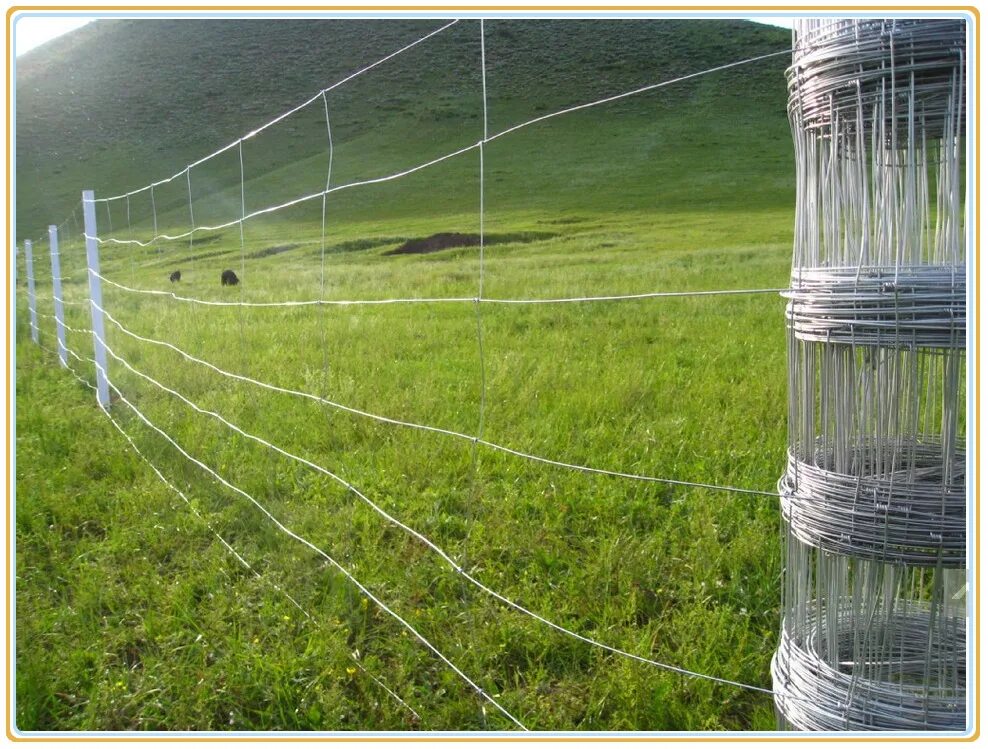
<point>874,494</point>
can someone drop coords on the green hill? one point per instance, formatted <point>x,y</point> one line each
<point>120,103</point>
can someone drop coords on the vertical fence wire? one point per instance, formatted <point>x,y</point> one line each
<point>32,299</point>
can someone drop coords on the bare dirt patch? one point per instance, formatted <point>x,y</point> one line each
<point>435,243</point>
<point>451,240</point>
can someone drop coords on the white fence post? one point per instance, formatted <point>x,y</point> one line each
<point>95,297</point>
<point>31,299</point>
<point>56,292</point>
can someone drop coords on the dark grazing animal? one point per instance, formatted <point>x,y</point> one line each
<point>229,278</point>
<point>175,276</point>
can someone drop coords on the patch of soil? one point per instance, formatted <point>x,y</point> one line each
<point>369,243</point>
<point>435,243</point>
<point>449,240</point>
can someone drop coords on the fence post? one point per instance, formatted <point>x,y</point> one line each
<point>31,299</point>
<point>56,292</point>
<point>95,297</point>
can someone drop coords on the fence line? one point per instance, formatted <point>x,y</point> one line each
<point>305,542</point>
<point>425,427</point>
<point>439,551</point>
<point>425,540</point>
<point>383,513</point>
<point>68,303</point>
<point>70,329</point>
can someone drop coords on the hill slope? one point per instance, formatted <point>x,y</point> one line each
<point>119,103</point>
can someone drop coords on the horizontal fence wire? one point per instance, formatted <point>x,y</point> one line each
<point>427,542</point>
<point>442,300</point>
<point>425,427</point>
<point>310,545</point>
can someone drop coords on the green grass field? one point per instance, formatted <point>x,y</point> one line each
<point>133,615</point>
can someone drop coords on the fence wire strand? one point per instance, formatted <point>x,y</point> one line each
<point>446,300</point>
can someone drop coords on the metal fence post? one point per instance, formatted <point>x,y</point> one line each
<point>95,297</point>
<point>56,292</point>
<point>31,299</point>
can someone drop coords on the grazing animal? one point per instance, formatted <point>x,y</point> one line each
<point>175,276</point>
<point>229,278</point>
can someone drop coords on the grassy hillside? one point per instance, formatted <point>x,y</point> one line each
<point>133,615</point>
<point>120,103</point>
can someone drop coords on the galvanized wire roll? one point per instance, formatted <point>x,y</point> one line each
<point>843,69</point>
<point>906,307</point>
<point>874,497</point>
<point>913,515</point>
<point>812,694</point>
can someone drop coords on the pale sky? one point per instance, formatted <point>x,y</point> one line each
<point>30,31</point>
<point>783,21</point>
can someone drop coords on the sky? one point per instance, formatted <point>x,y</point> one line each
<point>32,31</point>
